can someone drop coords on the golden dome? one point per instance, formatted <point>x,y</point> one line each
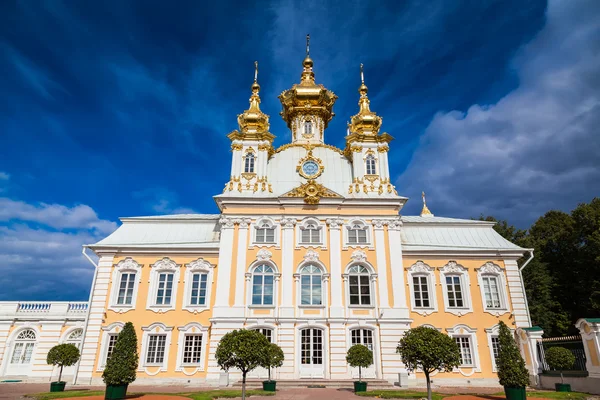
<point>307,98</point>
<point>366,121</point>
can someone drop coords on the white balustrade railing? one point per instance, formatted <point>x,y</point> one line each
<point>39,308</point>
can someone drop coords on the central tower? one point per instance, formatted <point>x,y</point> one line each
<point>307,107</point>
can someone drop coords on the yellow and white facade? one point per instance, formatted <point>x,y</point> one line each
<point>311,248</point>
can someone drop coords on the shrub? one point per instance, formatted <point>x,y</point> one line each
<point>242,349</point>
<point>63,355</point>
<point>512,371</point>
<point>429,350</point>
<point>359,356</point>
<point>560,359</point>
<point>273,358</point>
<point>122,365</point>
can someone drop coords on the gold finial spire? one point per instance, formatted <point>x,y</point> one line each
<point>366,121</point>
<point>425,211</point>
<point>253,119</point>
<point>307,74</point>
<point>363,88</point>
<point>255,85</point>
<point>307,45</point>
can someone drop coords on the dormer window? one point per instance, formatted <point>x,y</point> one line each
<point>357,233</point>
<point>308,128</point>
<point>265,232</point>
<point>370,165</point>
<point>249,163</point>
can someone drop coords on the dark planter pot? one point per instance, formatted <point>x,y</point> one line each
<point>269,386</point>
<point>515,393</point>
<point>115,392</point>
<point>60,386</point>
<point>562,387</point>
<point>360,387</point>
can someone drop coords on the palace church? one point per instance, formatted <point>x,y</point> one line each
<point>310,248</point>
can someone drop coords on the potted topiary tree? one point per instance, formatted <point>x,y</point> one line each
<point>62,355</point>
<point>242,349</point>
<point>512,371</point>
<point>359,356</point>
<point>122,365</point>
<point>273,358</point>
<point>429,350</point>
<point>560,359</point>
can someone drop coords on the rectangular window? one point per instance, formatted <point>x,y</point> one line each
<point>156,349</point>
<point>265,235</point>
<point>357,236</point>
<point>360,290</point>
<point>310,290</point>
<point>311,236</point>
<point>491,292</point>
<point>126,286</point>
<point>110,346</point>
<point>198,294</point>
<point>464,345</point>
<point>192,351</point>
<point>421,291</point>
<point>495,348</point>
<point>164,288</point>
<point>454,289</point>
<point>262,290</point>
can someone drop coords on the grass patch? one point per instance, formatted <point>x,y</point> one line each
<point>400,394</point>
<point>551,394</point>
<point>208,395</point>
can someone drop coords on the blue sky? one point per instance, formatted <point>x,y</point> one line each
<point>112,108</point>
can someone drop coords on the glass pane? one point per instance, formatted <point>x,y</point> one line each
<point>16,358</point>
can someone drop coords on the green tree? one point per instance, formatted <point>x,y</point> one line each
<point>359,356</point>
<point>122,365</point>
<point>429,350</point>
<point>512,371</point>
<point>560,359</point>
<point>242,349</point>
<point>273,358</point>
<point>63,355</point>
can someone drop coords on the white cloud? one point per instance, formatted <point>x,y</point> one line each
<point>54,215</point>
<point>4,176</point>
<point>535,149</point>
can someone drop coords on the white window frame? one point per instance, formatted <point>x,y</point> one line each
<point>13,340</point>
<point>322,233</point>
<point>254,231</point>
<point>372,284</point>
<point>489,269</point>
<point>492,332</point>
<point>461,330</point>
<point>420,269</point>
<point>203,267</point>
<point>193,328</point>
<point>166,265</point>
<point>249,282</point>
<point>157,328</point>
<point>125,266</point>
<point>248,153</point>
<point>311,258</point>
<point>454,269</point>
<point>369,232</point>
<point>305,127</point>
<point>375,163</point>
<point>66,338</point>
<point>110,330</point>
<point>261,328</point>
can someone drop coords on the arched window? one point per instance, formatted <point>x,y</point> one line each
<point>268,333</point>
<point>308,128</point>
<point>262,285</point>
<point>370,164</point>
<point>359,286</point>
<point>357,233</point>
<point>265,232</point>
<point>75,337</point>
<point>310,233</point>
<point>311,291</point>
<point>249,163</point>
<point>24,344</point>
<point>362,336</point>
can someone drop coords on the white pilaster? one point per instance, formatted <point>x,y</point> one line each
<point>240,272</point>
<point>287,267</point>
<point>517,296</point>
<point>378,226</point>
<point>224,268</point>
<point>384,170</point>
<point>335,264</point>
<point>92,337</point>
<point>395,248</point>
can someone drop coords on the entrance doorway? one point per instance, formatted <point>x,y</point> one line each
<point>260,372</point>
<point>311,353</point>
<point>22,355</point>
<point>364,337</point>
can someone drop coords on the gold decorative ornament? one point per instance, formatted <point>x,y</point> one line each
<point>425,211</point>
<point>383,149</point>
<point>366,121</point>
<point>248,175</point>
<point>312,192</point>
<point>264,147</point>
<point>308,164</point>
<point>308,147</point>
<point>236,146</point>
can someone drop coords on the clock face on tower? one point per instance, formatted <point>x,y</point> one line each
<point>310,168</point>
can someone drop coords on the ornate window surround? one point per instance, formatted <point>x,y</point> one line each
<point>197,266</point>
<point>454,269</point>
<point>368,227</point>
<point>112,329</point>
<point>421,269</point>
<point>157,328</point>
<point>263,257</point>
<point>322,231</point>
<point>273,224</point>
<point>127,265</point>
<point>371,153</point>
<point>491,269</point>
<point>312,258</point>
<point>163,265</point>
<point>494,331</point>
<point>466,331</point>
<point>194,328</point>
<point>359,257</point>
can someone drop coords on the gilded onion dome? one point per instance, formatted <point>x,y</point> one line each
<point>307,97</point>
<point>366,121</point>
<point>253,123</point>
